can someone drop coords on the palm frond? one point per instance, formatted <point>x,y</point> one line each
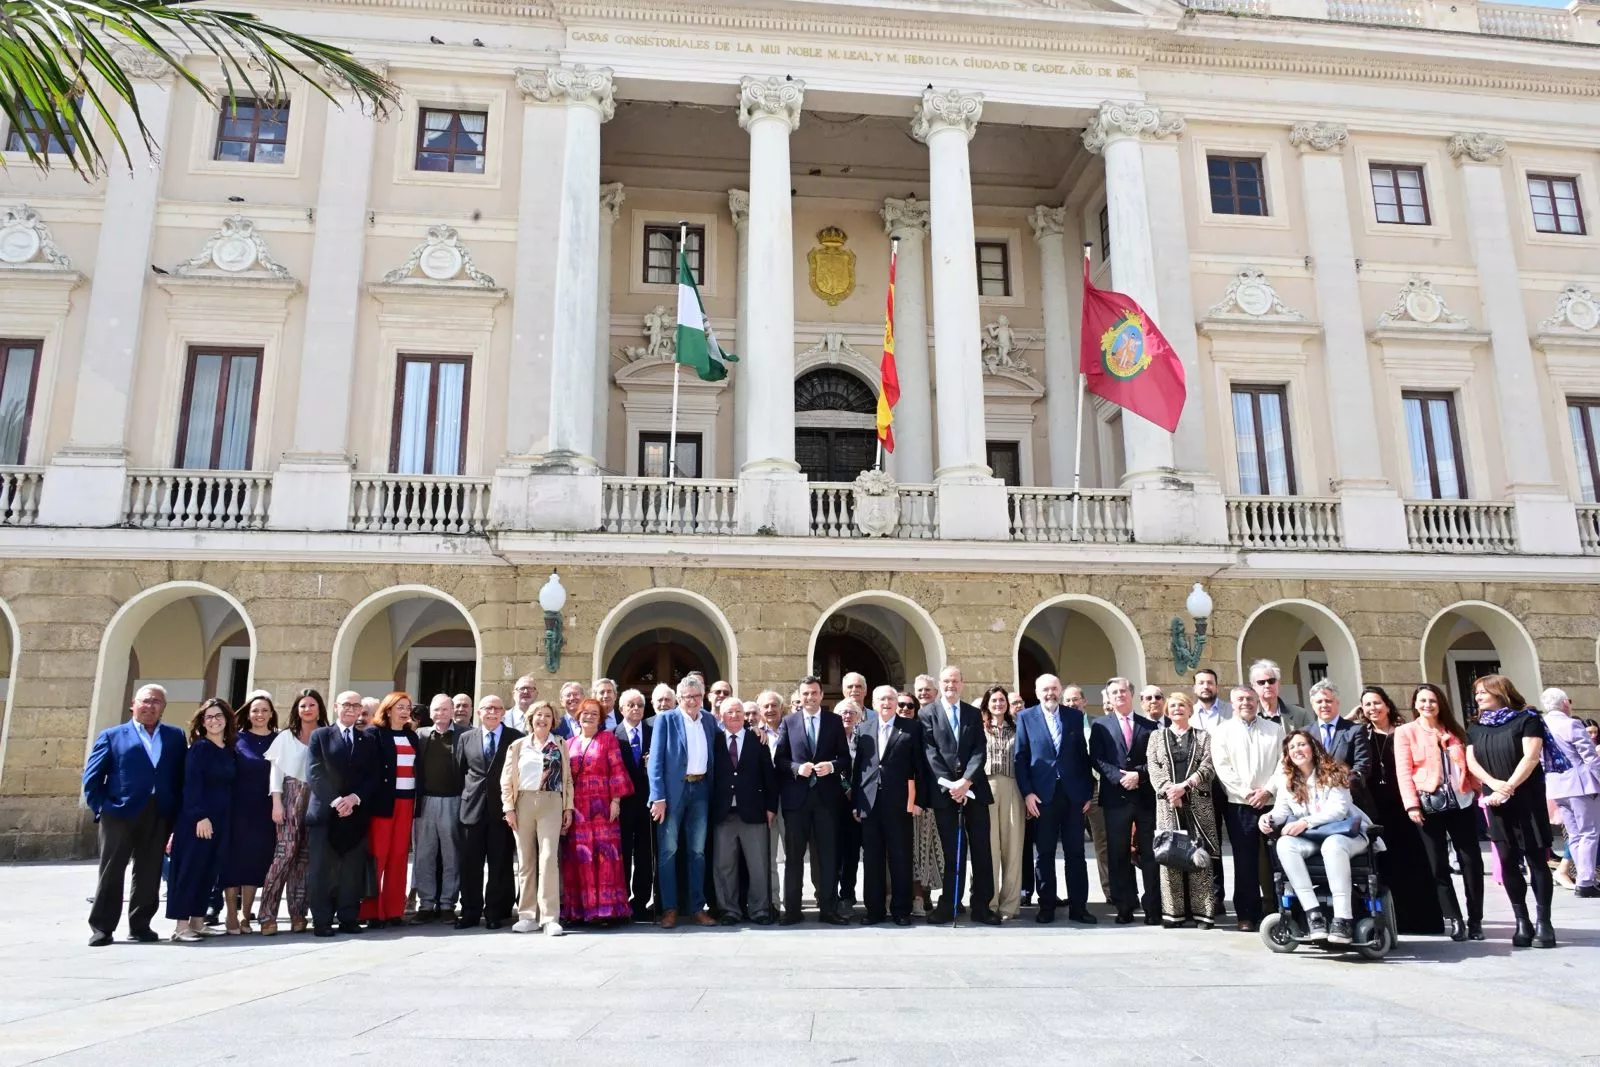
<point>60,74</point>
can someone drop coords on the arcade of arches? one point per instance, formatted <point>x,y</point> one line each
<point>71,653</point>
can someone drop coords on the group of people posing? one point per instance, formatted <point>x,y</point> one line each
<point>604,810</point>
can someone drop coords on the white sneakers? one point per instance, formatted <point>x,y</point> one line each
<point>524,926</point>
<point>553,929</point>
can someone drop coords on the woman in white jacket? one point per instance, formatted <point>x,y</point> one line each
<point>1316,814</point>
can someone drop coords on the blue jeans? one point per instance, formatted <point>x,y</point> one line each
<point>689,814</point>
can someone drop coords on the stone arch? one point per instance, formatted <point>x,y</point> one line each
<point>1472,632</point>
<point>417,618</point>
<point>112,676</point>
<point>1103,640</point>
<point>1296,626</point>
<point>906,632</point>
<point>670,610</point>
<point>10,657</point>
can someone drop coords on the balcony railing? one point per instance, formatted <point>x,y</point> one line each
<point>1461,526</point>
<point>1284,523</point>
<point>1589,528</point>
<point>657,506</point>
<point>197,500</point>
<point>1233,7</point>
<point>1514,20</point>
<point>19,495</point>
<point>1379,12</point>
<point>1105,516</point>
<point>419,503</point>
<point>833,511</point>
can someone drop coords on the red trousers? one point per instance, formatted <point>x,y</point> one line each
<point>389,838</point>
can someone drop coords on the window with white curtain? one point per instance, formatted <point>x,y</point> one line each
<point>430,415</point>
<point>1261,440</point>
<point>1584,417</point>
<point>218,427</point>
<point>1434,444</point>
<point>19,377</point>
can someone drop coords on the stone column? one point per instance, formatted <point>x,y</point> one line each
<point>1060,367</point>
<point>560,488</point>
<point>1547,522</point>
<point>972,504</point>
<point>907,221</point>
<point>1374,516</point>
<point>772,492</point>
<point>739,208</point>
<point>311,489</point>
<point>84,486</point>
<point>611,198</point>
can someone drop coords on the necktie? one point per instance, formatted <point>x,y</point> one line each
<point>955,721</point>
<point>811,732</point>
<point>1327,735</point>
<point>633,739</point>
<point>883,739</point>
<point>1127,729</point>
<point>347,738</point>
<point>733,751</point>
<point>1055,732</point>
<point>488,747</point>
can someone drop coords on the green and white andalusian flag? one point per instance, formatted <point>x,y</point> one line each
<point>697,342</point>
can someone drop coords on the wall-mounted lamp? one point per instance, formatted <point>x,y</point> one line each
<point>1186,654</point>
<point>552,598</point>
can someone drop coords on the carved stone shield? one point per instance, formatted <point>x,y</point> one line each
<point>832,266</point>
<point>877,503</point>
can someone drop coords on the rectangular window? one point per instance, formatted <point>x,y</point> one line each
<point>1005,460</point>
<point>1105,234</point>
<point>1237,186</point>
<point>19,377</point>
<point>1556,208</point>
<point>1399,195</point>
<point>451,141</point>
<point>653,455</point>
<point>661,254</point>
<point>1261,440</point>
<point>218,428</point>
<point>1584,416</point>
<point>249,131</point>
<point>31,131</point>
<point>430,415</point>
<point>1437,471</point>
<point>994,268</point>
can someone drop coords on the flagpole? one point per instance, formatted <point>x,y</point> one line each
<point>677,368</point>
<point>1077,445</point>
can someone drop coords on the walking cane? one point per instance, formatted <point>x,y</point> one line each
<point>955,909</point>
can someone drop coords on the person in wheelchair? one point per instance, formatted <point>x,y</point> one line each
<point>1314,811</point>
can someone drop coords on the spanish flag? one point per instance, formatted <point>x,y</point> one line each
<point>889,390</point>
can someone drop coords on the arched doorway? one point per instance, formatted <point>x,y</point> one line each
<point>887,638</point>
<point>1081,638</point>
<point>1466,641</point>
<point>660,635</point>
<point>192,639</point>
<point>1308,642</point>
<point>412,638</point>
<point>10,653</point>
<point>835,435</point>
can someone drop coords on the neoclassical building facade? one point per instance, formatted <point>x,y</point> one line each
<point>312,397</point>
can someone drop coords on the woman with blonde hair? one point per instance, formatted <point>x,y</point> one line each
<point>391,804</point>
<point>1181,774</point>
<point>536,796</point>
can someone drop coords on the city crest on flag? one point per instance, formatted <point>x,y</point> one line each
<point>1122,347</point>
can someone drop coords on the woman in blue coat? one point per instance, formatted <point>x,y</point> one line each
<point>200,835</point>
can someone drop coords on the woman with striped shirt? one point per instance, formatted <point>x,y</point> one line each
<point>390,807</point>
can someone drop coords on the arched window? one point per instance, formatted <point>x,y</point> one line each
<point>832,389</point>
<point>834,438</point>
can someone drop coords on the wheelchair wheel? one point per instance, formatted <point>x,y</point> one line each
<point>1275,934</point>
<point>1384,943</point>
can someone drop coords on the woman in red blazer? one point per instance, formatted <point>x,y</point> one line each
<point>1430,756</point>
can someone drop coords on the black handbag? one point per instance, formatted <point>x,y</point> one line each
<point>1178,848</point>
<point>1442,799</point>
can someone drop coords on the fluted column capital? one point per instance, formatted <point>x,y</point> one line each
<point>573,84</point>
<point>611,198</point>
<point>761,98</point>
<point>946,109</point>
<point>1144,121</point>
<point>905,218</point>
<point>739,207</point>
<point>1047,221</point>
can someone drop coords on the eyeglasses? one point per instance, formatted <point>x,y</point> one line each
<point>350,704</point>
<point>1265,682</point>
<point>906,706</point>
<point>216,716</point>
<point>1151,698</point>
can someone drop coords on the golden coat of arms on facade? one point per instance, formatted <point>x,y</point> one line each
<point>833,266</point>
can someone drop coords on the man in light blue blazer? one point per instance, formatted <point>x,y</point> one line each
<point>133,782</point>
<point>1056,783</point>
<point>681,778</point>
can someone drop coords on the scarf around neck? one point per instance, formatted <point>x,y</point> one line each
<point>1552,758</point>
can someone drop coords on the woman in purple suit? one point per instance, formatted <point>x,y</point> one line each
<point>1576,791</point>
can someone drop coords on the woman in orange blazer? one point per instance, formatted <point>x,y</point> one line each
<point>1440,793</point>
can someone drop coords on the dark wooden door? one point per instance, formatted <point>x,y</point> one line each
<point>834,455</point>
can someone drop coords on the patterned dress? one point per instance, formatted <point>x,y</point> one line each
<point>592,881</point>
<point>1175,757</point>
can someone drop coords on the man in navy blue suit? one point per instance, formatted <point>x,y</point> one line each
<point>1118,744</point>
<point>813,762</point>
<point>888,779</point>
<point>955,743</point>
<point>133,782</point>
<point>1053,776</point>
<point>343,765</point>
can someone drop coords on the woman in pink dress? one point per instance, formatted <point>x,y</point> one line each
<point>592,884</point>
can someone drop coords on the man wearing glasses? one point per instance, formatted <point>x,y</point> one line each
<point>1267,680</point>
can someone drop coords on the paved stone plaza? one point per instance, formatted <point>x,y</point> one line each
<point>811,995</point>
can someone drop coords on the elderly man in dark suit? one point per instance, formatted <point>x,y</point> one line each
<point>742,805</point>
<point>638,833</point>
<point>1056,783</point>
<point>813,762</point>
<point>1348,742</point>
<point>485,837</point>
<point>344,770</point>
<point>133,782</point>
<point>1118,744</point>
<point>888,788</point>
<point>954,740</point>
